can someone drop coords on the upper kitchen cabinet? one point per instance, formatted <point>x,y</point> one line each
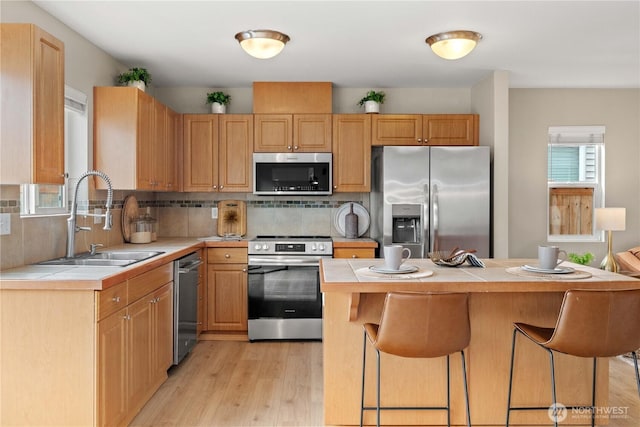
<point>416,129</point>
<point>297,133</point>
<point>351,153</point>
<point>32,80</point>
<point>218,152</point>
<point>134,139</point>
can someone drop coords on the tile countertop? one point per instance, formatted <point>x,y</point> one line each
<point>340,275</point>
<point>65,277</point>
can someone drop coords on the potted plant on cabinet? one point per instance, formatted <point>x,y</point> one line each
<point>137,77</point>
<point>218,101</point>
<point>372,101</point>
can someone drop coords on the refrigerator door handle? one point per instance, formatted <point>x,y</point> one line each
<point>425,222</point>
<point>435,217</point>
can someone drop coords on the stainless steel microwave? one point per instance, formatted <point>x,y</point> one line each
<point>292,173</point>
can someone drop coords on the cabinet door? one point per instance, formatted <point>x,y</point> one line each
<point>227,297</point>
<point>139,343</point>
<point>174,150</point>
<point>144,146</point>
<point>351,152</point>
<point>450,129</point>
<point>200,152</point>
<point>396,129</point>
<point>235,153</point>
<point>312,133</point>
<point>159,147</point>
<point>112,369</point>
<point>162,330</point>
<point>32,113</point>
<point>273,133</point>
<point>49,109</point>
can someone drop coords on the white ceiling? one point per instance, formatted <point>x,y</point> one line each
<point>373,44</point>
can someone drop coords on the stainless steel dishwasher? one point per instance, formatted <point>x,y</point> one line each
<point>185,309</point>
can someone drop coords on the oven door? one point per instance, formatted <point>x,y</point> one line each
<point>284,289</point>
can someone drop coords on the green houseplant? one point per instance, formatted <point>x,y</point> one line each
<point>584,259</point>
<point>372,101</point>
<point>218,101</point>
<point>134,76</point>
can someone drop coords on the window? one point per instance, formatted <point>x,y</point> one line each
<point>575,182</point>
<point>41,199</point>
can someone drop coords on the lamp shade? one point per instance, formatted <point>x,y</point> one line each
<point>610,219</point>
<point>453,44</point>
<point>262,44</point>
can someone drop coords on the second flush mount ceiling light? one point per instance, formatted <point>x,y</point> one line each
<point>453,44</point>
<point>262,44</point>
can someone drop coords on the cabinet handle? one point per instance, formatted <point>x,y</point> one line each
<point>426,140</point>
<point>126,317</point>
<point>221,187</point>
<point>295,147</point>
<point>289,147</point>
<point>215,186</point>
<point>419,140</point>
<point>354,256</point>
<point>335,187</point>
<point>115,299</point>
<point>244,270</point>
<point>227,256</point>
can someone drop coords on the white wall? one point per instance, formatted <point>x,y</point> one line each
<point>532,111</point>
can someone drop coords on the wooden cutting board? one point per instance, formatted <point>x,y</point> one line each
<point>232,217</point>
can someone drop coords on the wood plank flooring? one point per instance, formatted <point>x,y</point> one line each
<point>227,383</point>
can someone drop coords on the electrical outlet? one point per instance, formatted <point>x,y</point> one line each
<point>214,213</point>
<point>97,219</point>
<point>5,224</point>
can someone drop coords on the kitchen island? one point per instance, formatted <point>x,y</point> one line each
<point>501,294</point>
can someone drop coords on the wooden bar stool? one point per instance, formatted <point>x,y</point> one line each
<point>591,323</point>
<point>419,325</point>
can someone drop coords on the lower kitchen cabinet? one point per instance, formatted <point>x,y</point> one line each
<point>135,349</point>
<point>359,248</point>
<point>227,289</point>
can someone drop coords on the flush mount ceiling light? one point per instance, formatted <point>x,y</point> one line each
<point>453,44</point>
<point>262,44</point>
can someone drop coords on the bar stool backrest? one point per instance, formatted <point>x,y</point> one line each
<point>424,324</point>
<point>598,323</point>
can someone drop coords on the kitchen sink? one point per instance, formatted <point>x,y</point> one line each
<point>104,259</point>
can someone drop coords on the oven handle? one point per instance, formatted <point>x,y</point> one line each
<point>302,262</point>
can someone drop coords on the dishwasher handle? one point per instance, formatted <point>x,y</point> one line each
<point>189,266</point>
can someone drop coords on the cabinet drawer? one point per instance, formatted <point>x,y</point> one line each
<point>354,253</point>
<point>227,255</point>
<point>147,282</point>
<point>111,300</point>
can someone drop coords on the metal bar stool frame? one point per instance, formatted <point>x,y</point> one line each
<point>549,346</point>
<point>378,407</point>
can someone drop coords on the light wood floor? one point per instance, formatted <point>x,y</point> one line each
<point>225,383</point>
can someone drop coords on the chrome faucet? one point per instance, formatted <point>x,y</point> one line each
<point>72,228</point>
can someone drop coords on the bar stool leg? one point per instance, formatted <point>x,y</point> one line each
<point>553,388</point>
<point>635,362</point>
<point>364,365</point>
<point>513,350</point>
<point>466,389</point>
<point>378,387</point>
<point>448,394</point>
<point>593,393</point>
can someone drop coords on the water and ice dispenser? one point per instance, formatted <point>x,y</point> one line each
<point>406,223</point>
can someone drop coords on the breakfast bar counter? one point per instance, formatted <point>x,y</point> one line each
<point>500,294</point>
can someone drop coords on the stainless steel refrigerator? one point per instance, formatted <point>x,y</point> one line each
<point>432,198</point>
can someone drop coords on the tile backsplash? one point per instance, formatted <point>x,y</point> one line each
<point>35,239</point>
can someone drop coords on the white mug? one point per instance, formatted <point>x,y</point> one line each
<point>549,257</point>
<point>393,256</point>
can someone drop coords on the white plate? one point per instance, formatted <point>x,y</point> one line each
<point>358,209</point>
<point>557,270</point>
<point>403,269</point>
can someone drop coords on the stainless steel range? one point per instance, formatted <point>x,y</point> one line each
<point>284,286</point>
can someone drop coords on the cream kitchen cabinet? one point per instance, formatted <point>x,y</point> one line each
<point>32,112</point>
<point>351,153</point>
<point>416,129</point>
<point>227,289</point>
<point>133,140</point>
<point>218,152</point>
<point>279,133</point>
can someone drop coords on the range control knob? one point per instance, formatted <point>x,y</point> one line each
<point>265,246</point>
<point>257,246</point>
<point>321,247</point>
<point>314,247</point>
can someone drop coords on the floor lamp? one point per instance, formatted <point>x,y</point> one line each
<point>610,219</point>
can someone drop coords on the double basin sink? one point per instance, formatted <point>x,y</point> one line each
<point>105,259</point>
